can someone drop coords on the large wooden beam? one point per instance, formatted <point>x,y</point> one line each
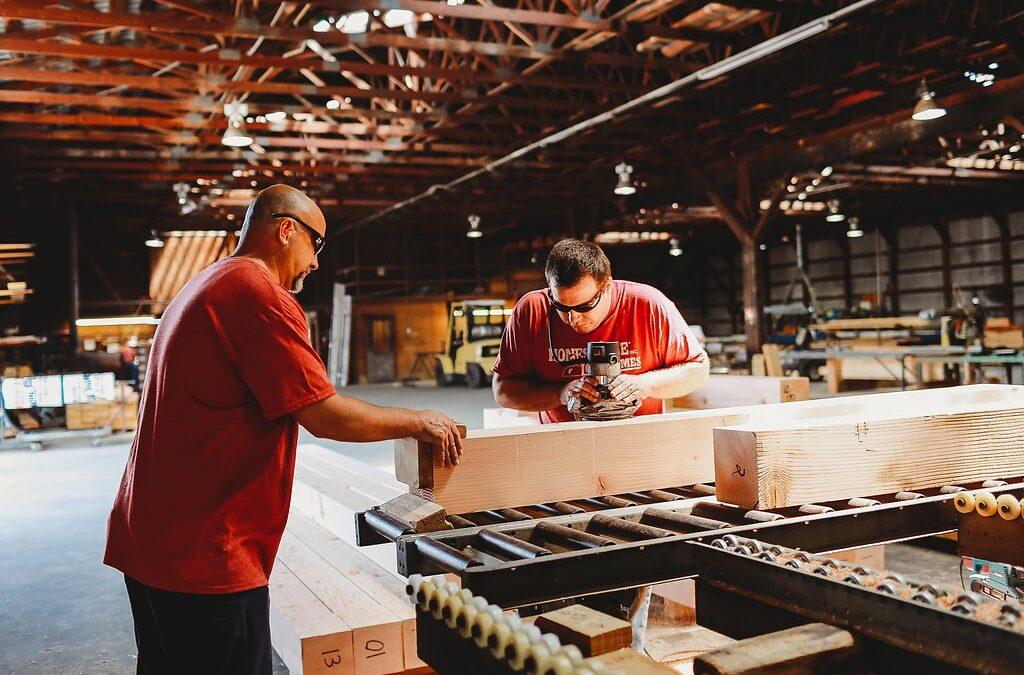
<point>870,445</point>
<point>529,465</point>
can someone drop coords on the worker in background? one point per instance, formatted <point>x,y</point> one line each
<point>659,354</point>
<point>202,506</point>
<point>129,369</point>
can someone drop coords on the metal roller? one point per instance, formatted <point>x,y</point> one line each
<point>732,514</point>
<point>627,528</point>
<point>862,502</point>
<point>762,516</point>
<point>560,534</point>
<point>459,521</point>
<point>509,546</point>
<point>906,496</point>
<point>813,509</point>
<point>615,502</point>
<point>443,555</point>
<point>385,524</point>
<point>662,496</point>
<point>680,522</point>
<point>563,507</point>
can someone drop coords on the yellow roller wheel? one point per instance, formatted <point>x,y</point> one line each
<point>438,602</point>
<point>425,594</point>
<point>483,626</point>
<point>573,653</point>
<point>1008,507</point>
<point>985,504</point>
<point>498,640</point>
<point>464,620</point>
<point>517,650</point>
<point>964,502</point>
<point>451,610</point>
<point>466,595</point>
<point>537,661</point>
<point>559,664</point>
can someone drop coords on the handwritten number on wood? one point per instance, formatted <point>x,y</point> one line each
<point>332,661</point>
<point>375,646</point>
<point>740,471</point>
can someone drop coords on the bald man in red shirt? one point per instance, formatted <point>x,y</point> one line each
<point>204,500</point>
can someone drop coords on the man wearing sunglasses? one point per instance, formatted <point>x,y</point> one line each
<point>202,506</point>
<point>540,362</point>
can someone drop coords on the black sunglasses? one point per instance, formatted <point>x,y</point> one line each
<point>319,240</point>
<point>579,309</point>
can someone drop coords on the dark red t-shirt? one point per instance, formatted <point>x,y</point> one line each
<point>649,328</point>
<point>206,491</point>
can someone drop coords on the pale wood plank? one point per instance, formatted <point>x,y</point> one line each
<point>729,391</point>
<point>870,445</point>
<point>305,633</point>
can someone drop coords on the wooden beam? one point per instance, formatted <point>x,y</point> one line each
<point>730,391</point>
<point>160,23</point>
<point>554,462</point>
<point>870,445</point>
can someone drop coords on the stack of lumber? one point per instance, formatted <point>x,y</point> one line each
<point>1001,333</point>
<point>871,445</point>
<point>337,608</point>
<point>729,391</point>
<point>883,371</point>
<point>120,414</point>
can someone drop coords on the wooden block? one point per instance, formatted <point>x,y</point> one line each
<point>834,375</point>
<point>997,323</point>
<point>419,514</point>
<point>804,650</point>
<point>412,659</point>
<point>727,391</point>
<point>772,360</point>
<point>869,445</point>
<point>413,459</point>
<point>628,661</point>
<point>592,631</point>
<point>757,365</point>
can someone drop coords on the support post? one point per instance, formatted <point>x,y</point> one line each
<point>1006,259</point>
<point>844,247</point>
<point>892,241</point>
<point>75,304</point>
<point>753,307</point>
<point>942,229</point>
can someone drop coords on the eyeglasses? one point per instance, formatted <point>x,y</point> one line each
<point>319,240</point>
<point>579,309</point>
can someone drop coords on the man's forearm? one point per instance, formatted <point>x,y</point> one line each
<point>527,394</point>
<point>678,380</point>
<point>343,418</point>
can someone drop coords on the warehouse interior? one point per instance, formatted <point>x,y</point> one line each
<point>826,195</point>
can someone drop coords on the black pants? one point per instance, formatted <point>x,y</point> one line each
<point>197,633</point>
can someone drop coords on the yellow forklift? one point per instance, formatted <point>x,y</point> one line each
<point>473,338</point>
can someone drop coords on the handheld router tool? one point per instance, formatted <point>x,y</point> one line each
<point>602,363</point>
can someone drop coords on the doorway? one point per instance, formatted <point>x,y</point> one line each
<point>380,349</point>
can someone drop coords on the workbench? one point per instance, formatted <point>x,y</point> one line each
<point>904,355</point>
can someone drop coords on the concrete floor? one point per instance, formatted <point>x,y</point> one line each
<point>62,611</point>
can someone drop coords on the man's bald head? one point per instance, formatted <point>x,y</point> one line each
<point>282,199</point>
<point>275,231</point>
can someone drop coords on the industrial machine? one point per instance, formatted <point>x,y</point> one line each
<point>472,342</point>
<point>757,571</point>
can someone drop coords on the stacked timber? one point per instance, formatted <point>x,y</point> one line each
<point>335,607</point>
<point>1001,333</point>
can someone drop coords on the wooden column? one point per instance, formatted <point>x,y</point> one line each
<point>844,247</point>
<point>741,215</point>
<point>942,229</point>
<point>1006,259</point>
<point>75,305</point>
<point>892,241</point>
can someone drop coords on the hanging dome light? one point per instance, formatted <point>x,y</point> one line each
<point>154,240</point>
<point>474,227</point>
<point>926,108</point>
<point>235,136</point>
<point>854,230</point>
<point>674,248</point>
<point>834,216</point>
<point>625,185</point>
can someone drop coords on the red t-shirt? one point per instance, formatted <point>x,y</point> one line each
<point>206,491</point>
<point>649,328</point>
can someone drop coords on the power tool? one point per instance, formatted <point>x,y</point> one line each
<point>602,363</point>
